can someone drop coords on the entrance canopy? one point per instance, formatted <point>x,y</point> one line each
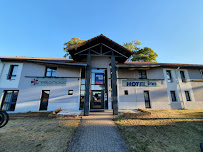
<point>100,46</point>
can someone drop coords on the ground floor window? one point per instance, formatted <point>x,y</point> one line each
<point>173,96</point>
<point>147,99</point>
<point>187,95</point>
<point>9,100</point>
<point>44,99</point>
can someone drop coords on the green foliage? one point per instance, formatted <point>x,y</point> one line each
<point>72,42</point>
<point>141,55</point>
<point>144,55</point>
<point>132,45</point>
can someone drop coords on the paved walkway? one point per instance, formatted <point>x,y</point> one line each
<point>97,133</point>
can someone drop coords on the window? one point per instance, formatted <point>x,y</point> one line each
<point>70,92</point>
<point>9,100</point>
<point>173,96</point>
<point>142,74</point>
<point>187,95</point>
<point>147,99</point>
<point>201,73</point>
<point>51,72</point>
<point>168,75</point>
<point>44,100</point>
<point>126,92</point>
<point>13,72</point>
<point>182,75</point>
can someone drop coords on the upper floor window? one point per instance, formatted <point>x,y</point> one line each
<point>182,75</point>
<point>50,72</point>
<point>13,72</point>
<point>142,74</point>
<point>168,75</point>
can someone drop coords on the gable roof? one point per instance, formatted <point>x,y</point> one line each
<point>93,43</point>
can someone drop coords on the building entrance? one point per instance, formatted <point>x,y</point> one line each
<point>97,99</point>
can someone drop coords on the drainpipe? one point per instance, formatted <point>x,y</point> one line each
<point>180,90</point>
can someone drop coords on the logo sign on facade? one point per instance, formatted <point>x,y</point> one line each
<point>99,78</point>
<point>140,83</point>
<point>48,82</point>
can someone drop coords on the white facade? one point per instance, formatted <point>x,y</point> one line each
<point>29,96</point>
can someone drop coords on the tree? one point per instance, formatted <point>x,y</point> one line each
<point>141,55</point>
<point>132,45</point>
<point>73,41</point>
<point>144,55</point>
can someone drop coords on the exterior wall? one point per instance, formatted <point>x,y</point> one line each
<point>196,81</point>
<point>4,70</point>
<point>29,96</point>
<point>173,86</point>
<point>195,88</point>
<point>135,98</point>
<point>185,86</point>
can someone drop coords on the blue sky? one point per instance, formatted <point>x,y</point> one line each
<point>39,28</point>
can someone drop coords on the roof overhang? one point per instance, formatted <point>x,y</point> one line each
<point>100,45</point>
<point>42,62</point>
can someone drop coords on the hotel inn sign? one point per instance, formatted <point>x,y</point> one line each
<point>140,83</point>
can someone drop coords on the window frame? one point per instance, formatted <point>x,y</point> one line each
<point>149,100</point>
<point>41,99</point>
<point>50,71</point>
<point>170,75</point>
<point>173,91</point>
<point>126,92</point>
<point>201,72</point>
<point>70,92</point>
<point>10,73</point>
<point>10,102</point>
<point>188,95</point>
<point>182,78</point>
<point>140,74</point>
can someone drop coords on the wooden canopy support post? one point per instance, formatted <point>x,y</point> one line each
<point>87,86</point>
<point>114,86</point>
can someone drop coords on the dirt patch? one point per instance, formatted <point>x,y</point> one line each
<point>163,130</point>
<point>36,132</point>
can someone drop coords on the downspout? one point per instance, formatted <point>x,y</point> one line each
<point>180,90</point>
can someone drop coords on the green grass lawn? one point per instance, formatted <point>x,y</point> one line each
<point>37,132</point>
<point>163,131</point>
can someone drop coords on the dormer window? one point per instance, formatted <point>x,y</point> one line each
<point>13,72</point>
<point>50,72</point>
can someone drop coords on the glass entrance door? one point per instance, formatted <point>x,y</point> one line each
<point>97,99</point>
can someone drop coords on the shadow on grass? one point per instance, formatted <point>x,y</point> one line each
<point>184,136</point>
